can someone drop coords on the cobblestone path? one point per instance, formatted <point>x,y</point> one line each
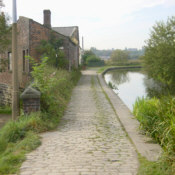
<point>89,139</point>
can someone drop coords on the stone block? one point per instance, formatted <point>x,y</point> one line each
<point>31,100</point>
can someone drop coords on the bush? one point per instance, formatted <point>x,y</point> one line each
<point>93,61</point>
<point>157,117</point>
<point>5,110</point>
<point>145,111</point>
<point>159,58</point>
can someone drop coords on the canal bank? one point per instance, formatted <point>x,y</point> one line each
<point>120,68</point>
<point>142,143</point>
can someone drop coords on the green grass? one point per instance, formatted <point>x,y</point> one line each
<point>157,119</point>
<point>154,168</point>
<point>22,136</point>
<point>102,69</point>
<point>5,110</point>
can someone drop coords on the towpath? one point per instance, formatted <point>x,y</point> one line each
<point>89,140</point>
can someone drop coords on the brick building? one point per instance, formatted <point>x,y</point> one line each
<point>30,34</point>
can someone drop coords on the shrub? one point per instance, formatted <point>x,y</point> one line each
<point>93,61</point>
<point>5,110</point>
<point>159,58</point>
<point>157,117</point>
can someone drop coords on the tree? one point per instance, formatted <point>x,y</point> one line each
<point>159,58</point>
<point>87,54</point>
<point>5,31</point>
<point>5,37</point>
<point>93,61</point>
<point>51,49</point>
<point>119,56</point>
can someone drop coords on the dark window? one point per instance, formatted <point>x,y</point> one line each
<point>24,60</point>
<point>28,62</point>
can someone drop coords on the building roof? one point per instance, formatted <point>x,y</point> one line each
<point>67,31</point>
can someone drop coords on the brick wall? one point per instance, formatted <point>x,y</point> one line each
<point>23,47</point>
<point>6,86</point>
<point>5,94</point>
<point>39,32</point>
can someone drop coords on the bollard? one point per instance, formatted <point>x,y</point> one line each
<point>31,100</point>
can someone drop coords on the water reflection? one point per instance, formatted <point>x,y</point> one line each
<point>153,88</point>
<point>132,84</point>
<point>119,77</point>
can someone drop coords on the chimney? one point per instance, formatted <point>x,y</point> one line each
<point>47,18</point>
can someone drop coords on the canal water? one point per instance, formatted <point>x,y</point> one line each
<point>130,84</point>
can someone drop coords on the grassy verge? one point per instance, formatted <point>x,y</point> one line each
<point>160,167</point>
<point>157,119</point>
<point>102,69</point>
<point>21,136</point>
<point>5,110</point>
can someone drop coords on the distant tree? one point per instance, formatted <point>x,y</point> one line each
<point>159,58</point>
<point>119,56</point>
<point>93,61</point>
<point>101,53</point>
<point>87,54</point>
<point>5,37</point>
<point>5,31</point>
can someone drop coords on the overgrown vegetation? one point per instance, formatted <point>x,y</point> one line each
<point>21,136</point>
<point>91,60</point>
<point>154,168</point>
<point>53,50</point>
<point>5,110</point>
<point>5,39</point>
<point>157,119</point>
<point>159,58</point>
<point>157,115</point>
<point>5,31</point>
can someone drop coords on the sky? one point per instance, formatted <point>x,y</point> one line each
<point>104,24</point>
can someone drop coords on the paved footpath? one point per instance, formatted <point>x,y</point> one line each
<point>88,141</point>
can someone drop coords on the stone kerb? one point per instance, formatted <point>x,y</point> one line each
<point>31,100</point>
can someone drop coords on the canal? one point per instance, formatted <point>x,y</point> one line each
<point>130,84</point>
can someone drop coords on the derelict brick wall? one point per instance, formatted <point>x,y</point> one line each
<point>38,33</point>
<point>77,54</point>
<point>23,45</point>
<point>6,86</point>
<point>73,55</point>
<point>6,78</point>
<point>5,94</point>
